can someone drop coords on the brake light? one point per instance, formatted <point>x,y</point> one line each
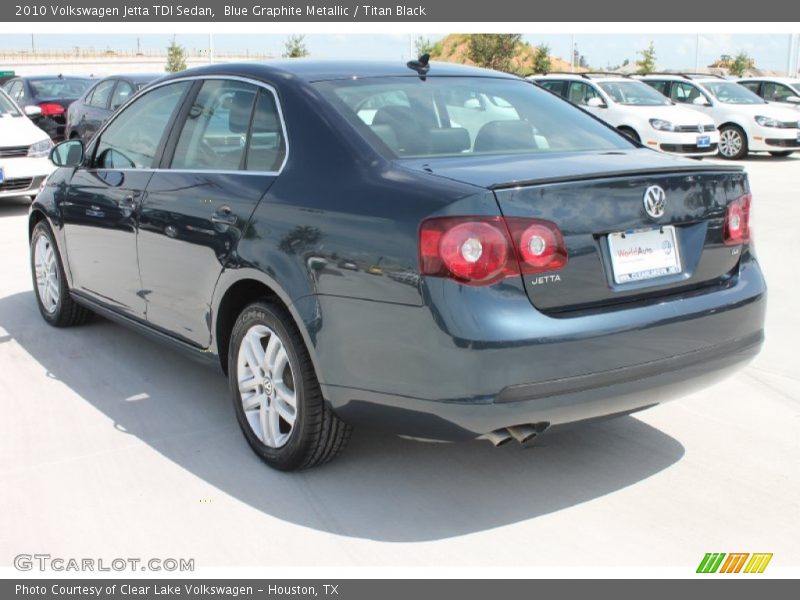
<point>484,250</point>
<point>737,221</point>
<point>51,109</point>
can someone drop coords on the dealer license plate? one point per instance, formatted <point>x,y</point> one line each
<point>644,254</point>
<point>704,141</point>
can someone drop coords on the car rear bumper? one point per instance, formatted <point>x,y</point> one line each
<point>450,379</point>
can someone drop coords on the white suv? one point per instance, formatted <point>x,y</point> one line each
<point>746,122</point>
<point>636,110</point>
<point>783,91</point>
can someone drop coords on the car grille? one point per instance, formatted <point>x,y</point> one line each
<point>687,148</point>
<point>788,124</point>
<point>16,185</point>
<point>785,143</point>
<point>694,128</point>
<point>14,152</point>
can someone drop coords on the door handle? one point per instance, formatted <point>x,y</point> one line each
<point>224,216</point>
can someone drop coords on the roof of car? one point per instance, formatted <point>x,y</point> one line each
<point>38,77</point>
<point>793,80</point>
<point>582,77</point>
<point>323,70</point>
<point>135,77</point>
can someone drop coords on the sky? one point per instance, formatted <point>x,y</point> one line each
<point>673,51</point>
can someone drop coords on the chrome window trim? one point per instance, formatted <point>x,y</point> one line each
<point>248,80</point>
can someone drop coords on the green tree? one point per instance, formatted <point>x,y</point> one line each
<point>295,47</point>
<point>740,64</point>
<point>493,50</point>
<point>647,64</point>
<point>541,59</point>
<point>423,45</point>
<point>176,57</point>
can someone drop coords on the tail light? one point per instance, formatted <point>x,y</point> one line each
<point>51,109</point>
<point>485,250</point>
<point>737,221</point>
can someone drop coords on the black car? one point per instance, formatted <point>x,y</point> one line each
<point>434,250</point>
<point>88,113</point>
<point>53,94</point>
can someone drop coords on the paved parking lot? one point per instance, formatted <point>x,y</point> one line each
<point>111,445</point>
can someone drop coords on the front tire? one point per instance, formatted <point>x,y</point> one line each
<point>732,143</point>
<point>276,394</point>
<point>49,282</point>
<point>782,153</point>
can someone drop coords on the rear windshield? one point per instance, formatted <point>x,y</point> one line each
<point>413,118</point>
<point>633,93</point>
<point>7,107</point>
<point>59,88</point>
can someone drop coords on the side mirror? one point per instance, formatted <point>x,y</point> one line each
<point>67,154</point>
<point>596,102</point>
<point>793,99</point>
<point>473,103</point>
<point>31,110</point>
<point>701,101</point>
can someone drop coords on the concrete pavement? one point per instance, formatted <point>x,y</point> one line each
<point>111,445</point>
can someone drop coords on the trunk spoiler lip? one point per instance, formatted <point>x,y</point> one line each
<point>617,174</point>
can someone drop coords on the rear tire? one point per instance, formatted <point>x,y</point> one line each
<point>49,282</point>
<point>782,154</point>
<point>276,394</point>
<point>732,143</point>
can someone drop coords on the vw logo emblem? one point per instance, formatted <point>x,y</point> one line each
<point>700,128</point>
<point>655,201</point>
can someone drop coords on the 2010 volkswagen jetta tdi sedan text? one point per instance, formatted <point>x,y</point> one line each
<point>435,250</point>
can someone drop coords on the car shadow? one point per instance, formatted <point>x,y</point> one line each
<point>15,206</point>
<point>381,488</point>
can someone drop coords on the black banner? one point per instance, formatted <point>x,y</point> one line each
<point>447,11</point>
<point>375,589</point>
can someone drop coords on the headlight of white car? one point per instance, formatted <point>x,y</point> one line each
<point>767,121</point>
<point>662,125</point>
<point>40,149</point>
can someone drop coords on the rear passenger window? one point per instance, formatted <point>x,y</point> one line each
<point>214,135</point>
<point>266,148</point>
<point>659,86</point>
<point>557,87</point>
<point>122,93</point>
<point>99,97</point>
<point>131,141</point>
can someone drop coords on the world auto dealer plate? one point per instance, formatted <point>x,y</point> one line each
<point>644,254</point>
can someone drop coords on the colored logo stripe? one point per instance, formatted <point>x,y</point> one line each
<point>758,563</point>
<point>713,562</point>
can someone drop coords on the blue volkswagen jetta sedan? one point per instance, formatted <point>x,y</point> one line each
<point>436,250</point>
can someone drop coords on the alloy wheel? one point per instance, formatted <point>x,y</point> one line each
<point>46,268</point>
<point>730,142</point>
<point>266,386</point>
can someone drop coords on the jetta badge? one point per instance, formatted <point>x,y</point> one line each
<point>655,201</point>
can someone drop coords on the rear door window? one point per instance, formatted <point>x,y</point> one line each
<point>101,94</point>
<point>214,134</point>
<point>557,87</point>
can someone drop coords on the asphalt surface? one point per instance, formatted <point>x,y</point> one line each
<point>111,445</point>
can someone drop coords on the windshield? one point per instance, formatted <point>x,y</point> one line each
<point>411,117</point>
<point>633,93</point>
<point>7,107</point>
<point>59,88</point>
<point>728,92</point>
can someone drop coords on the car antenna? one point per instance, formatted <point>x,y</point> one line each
<point>420,65</point>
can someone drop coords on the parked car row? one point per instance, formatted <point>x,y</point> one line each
<point>692,114</point>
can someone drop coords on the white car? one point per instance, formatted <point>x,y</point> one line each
<point>24,150</point>
<point>636,110</point>
<point>746,122</point>
<point>783,91</point>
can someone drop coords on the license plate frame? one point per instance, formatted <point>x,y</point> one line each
<point>703,141</point>
<point>644,254</point>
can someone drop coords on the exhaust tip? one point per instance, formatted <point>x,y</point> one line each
<point>498,437</point>
<point>526,433</point>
